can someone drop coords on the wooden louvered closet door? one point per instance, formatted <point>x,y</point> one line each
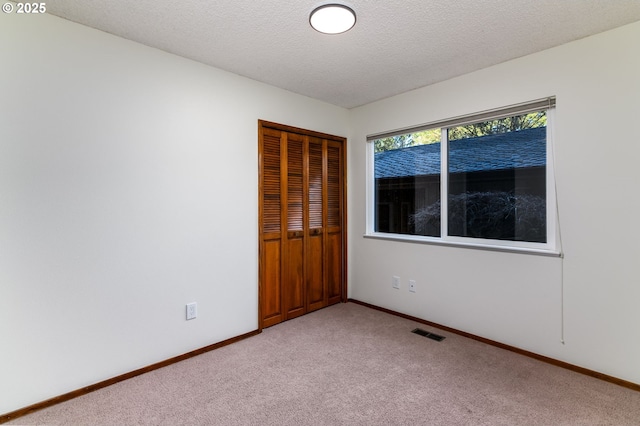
<point>293,281</point>
<point>335,234</point>
<point>302,248</point>
<point>271,241</point>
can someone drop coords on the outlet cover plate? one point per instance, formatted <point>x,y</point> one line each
<point>412,286</point>
<point>395,282</point>
<point>192,310</point>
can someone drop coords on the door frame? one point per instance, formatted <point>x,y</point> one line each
<point>290,129</point>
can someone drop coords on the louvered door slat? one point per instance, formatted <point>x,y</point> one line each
<point>334,185</point>
<point>271,182</point>
<point>295,191</point>
<point>315,183</point>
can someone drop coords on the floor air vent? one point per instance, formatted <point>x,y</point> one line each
<point>427,334</point>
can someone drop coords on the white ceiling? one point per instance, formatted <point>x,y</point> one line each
<point>395,46</point>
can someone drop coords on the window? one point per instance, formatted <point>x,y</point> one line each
<point>493,168</point>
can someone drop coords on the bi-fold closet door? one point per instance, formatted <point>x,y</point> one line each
<point>301,222</point>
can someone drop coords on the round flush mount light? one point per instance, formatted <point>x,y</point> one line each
<point>332,19</point>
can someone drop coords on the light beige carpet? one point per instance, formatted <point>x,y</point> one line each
<point>351,365</point>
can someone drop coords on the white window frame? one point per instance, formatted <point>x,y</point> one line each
<point>550,248</point>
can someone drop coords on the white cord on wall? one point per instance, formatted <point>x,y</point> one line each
<point>558,227</point>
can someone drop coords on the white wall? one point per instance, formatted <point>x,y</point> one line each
<point>517,298</point>
<point>128,188</point>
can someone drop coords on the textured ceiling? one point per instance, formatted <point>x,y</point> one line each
<point>395,46</point>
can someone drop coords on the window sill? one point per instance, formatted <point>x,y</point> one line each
<point>438,242</point>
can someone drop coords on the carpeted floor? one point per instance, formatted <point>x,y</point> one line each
<point>351,365</point>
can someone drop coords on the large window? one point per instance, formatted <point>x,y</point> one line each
<point>494,169</point>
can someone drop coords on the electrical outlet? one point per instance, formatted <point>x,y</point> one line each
<point>412,286</point>
<point>192,310</point>
<point>395,282</point>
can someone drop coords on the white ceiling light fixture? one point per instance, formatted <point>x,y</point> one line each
<point>332,19</point>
